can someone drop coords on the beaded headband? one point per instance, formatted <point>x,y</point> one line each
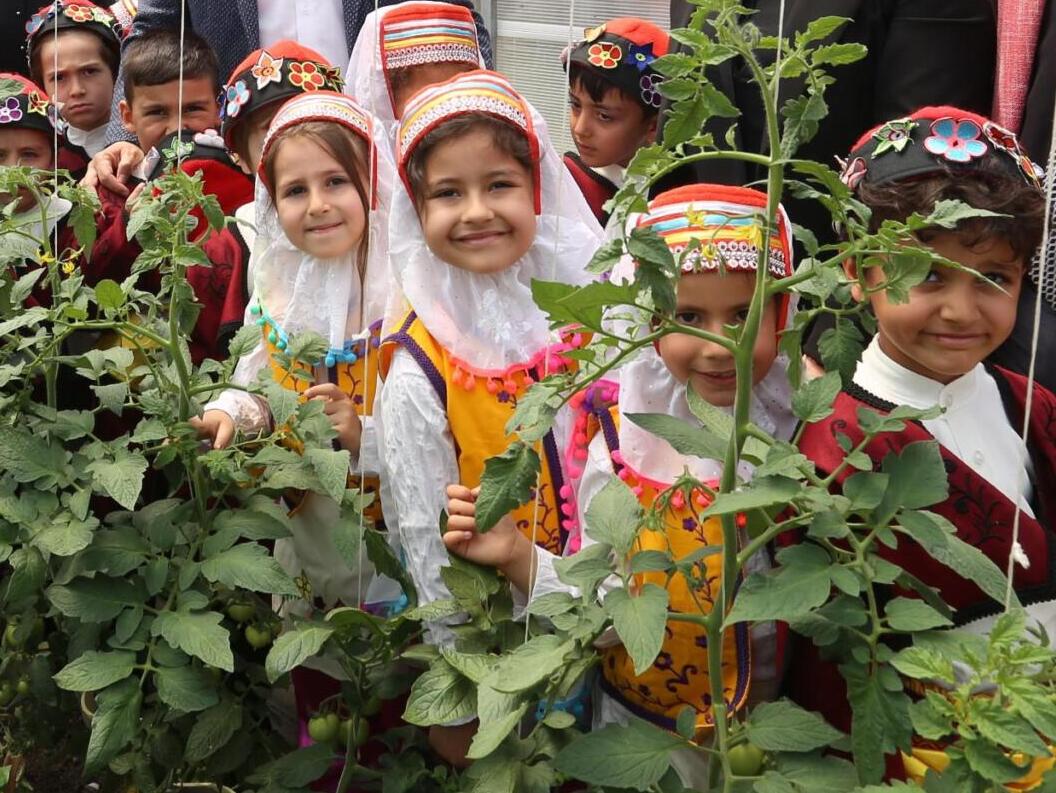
<point>326,106</point>
<point>935,140</point>
<point>413,34</point>
<point>73,15</point>
<point>473,92</point>
<point>270,75</point>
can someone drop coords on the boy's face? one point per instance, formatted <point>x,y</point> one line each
<point>77,78</point>
<point>608,132</point>
<point>154,111</point>
<point>418,77</point>
<point>709,301</point>
<point>257,126</point>
<point>26,147</point>
<point>477,208</point>
<point>953,320</point>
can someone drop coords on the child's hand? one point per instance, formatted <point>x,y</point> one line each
<point>504,547</point>
<point>216,426</point>
<point>341,412</point>
<point>452,743</point>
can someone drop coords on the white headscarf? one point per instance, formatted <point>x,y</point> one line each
<point>489,322</point>
<point>298,292</point>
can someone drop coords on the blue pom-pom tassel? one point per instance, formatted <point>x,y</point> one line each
<point>261,322</point>
<point>331,361</point>
<point>273,337</point>
<point>281,344</point>
<point>254,310</point>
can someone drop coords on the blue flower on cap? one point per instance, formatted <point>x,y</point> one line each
<point>640,56</point>
<point>957,141</point>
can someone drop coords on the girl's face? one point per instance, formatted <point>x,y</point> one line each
<point>318,205</point>
<point>708,301</point>
<point>258,125</point>
<point>477,208</point>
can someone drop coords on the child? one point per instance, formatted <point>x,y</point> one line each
<point>614,101</point>
<point>933,349</point>
<point>74,49</point>
<point>483,186</point>
<point>405,47</point>
<point>708,299</point>
<point>319,270</point>
<point>253,95</point>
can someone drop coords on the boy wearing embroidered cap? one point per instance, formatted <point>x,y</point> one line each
<point>495,208</point>
<point>614,101</point>
<point>933,350</point>
<point>714,291</point>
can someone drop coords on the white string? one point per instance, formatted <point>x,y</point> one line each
<point>179,97</point>
<point>55,133</point>
<point>1034,341</point>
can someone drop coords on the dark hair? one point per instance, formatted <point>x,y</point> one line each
<point>341,143</point>
<point>597,87</point>
<point>240,130</point>
<point>154,58</point>
<point>504,136</point>
<point>110,51</point>
<point>984,187</point>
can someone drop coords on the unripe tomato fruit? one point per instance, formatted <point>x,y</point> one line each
<point>11,636</point>
<point>241,612</point>
<point>6,694</point>
<point>258,638</point>
<point>323,728</point>
<point>745,759</point>
<point>23,686</point>
<point>359,737</point>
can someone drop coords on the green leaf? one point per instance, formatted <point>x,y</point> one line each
<point>1034,704</point>
<point>990,762</point>
<point>923,664</point>
<point>684,438</point>
<point>507,483</point>
<point>65,537</point>
<point>685,121</point>
<point>200,635</point>
<point>120,478</point>
<point>785,727</point>
<point>840,347</point>
<point>613,516</point>
<point>865,490</point>
<point>820,28</point>
<point>763,492</point>
<point>838,54</point>
<point>94,671</point>
<point>96,599</point>
<point>29,458</point>
<point>813,400</point>
<point>186,688</point>
<point>28,576</point>
<point>917,478</point>
<point>283,403</point>
<point>586,568</point>
<point>529,664</point>
<point>1007,729</point>
<point>295,646</point>
<point>212,730</point>
<point>249,566</point>
<point>879,723</point>
<point>640,621</point>
<point>907,614</point>
<point>115,724</point>
<point>439,696</point>
<point>634,756</point>
<point>332,469</point>
<point>112,396</point>
<point>499,714</point>
<point>109,295</point>
<point>799,585</point>
<point>949,213</point>
<point>928,722</point>
<point>294,770</point>
<point>656,266</point>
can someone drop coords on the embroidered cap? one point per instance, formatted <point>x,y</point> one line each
<point>724,225</point>
<point>413,34</point>
<point>325,106</point>
<point>274,74</point>
<point>24,104</point>
<point>621,52</point>
<point>479,91</point>
<point>73,15</point>
<point>935,140</point>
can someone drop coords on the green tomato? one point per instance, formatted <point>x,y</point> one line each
<point>38,630</point>
<point>258,638</point>
<point>323,728</point>
<point>745,759</point>
<point>12,637</point>
<point>23,686</point>
<point>354,730</point>
<point>7,693</point>
<point>241,612</point>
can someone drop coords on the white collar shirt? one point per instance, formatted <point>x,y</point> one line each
<point>318,24</point>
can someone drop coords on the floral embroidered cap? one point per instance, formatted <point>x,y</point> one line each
<point>24,104</point>
<point>73,15</point>
<point>474,92</point>
<point>622,52</point>
<point>935,139</point>
<point>274,74</point>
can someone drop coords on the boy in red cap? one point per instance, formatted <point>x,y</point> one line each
<point>74,49</point>
<point>614,99</point>
<point>931,350</point>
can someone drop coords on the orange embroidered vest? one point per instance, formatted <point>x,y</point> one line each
<point>354,370</point>
<point>477,410</point>
<point>679,676</point>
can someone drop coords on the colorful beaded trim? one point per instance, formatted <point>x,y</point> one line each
<point>352,351</point>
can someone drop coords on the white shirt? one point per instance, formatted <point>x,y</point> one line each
<point>973,426</point>
<point>318,24</point>
<point>92,141</point>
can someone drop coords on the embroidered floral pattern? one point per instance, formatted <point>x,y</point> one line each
<point>267,70</point>
<point>640,56</point>
<point>604,55</point>
<point>307,76</point>
<point>35,23</point>
<point>853,173</point>
<point>1005,140</point>
<point>38,104</point>
<point>650,85</point>
<point>10,111</point>
<point>956,141</point>
<point>894,136</point>
<point>237,98</point>
<point>80,13</point>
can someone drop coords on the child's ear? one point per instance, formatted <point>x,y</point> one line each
<point>850,269</point>
<point>126,116</point>
<point>650,131</point>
